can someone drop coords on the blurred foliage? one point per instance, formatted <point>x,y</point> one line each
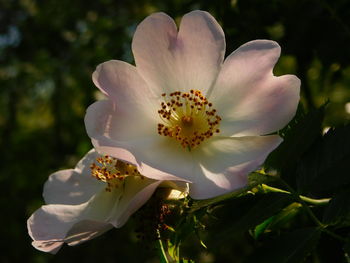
<point>48,51</point>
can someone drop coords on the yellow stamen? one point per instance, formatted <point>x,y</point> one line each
<point>112,171</point>
<point>188,118</point>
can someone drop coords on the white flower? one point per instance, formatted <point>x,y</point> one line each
<point>82,203</point>
<point>183,113</point>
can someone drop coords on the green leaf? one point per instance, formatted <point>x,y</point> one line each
<point>261,228</point>
<point>264,206</point>
<point>290,247</point>
<point>257,178</point>
<point>186,261</point>
<point>161,252</point>
<point>326,166</point>
<point>277,221</point>
<point>346,249</point>
<point>337,211</point>
<point>299,135</point>
<point>187,225</point>
<point>183,229</point>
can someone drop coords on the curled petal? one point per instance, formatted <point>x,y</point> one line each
<point>81,207</point>
<point>53,225</point>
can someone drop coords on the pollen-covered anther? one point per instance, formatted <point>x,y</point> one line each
<point>112,171</point>
<point>188,117</point>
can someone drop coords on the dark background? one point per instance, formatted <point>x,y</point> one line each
<point>48,51</point>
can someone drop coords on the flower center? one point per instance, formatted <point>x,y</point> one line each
<point>112,171</point>
<point>188,118</point>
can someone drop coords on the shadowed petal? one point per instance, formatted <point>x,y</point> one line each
<point>136,193</point>
<point>225,163</point>
<point>73,186</point>
<point>215,184</point>
<point>50,225</point>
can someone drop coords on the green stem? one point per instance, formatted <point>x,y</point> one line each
<point>161,247</point>
<point>334,235</point>
<point>303,200</point>
<point>313,201</point>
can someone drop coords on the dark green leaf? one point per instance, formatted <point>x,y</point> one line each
<point>184,228</point>
<point>298,136</point>
<point>263,207</point>
<point>277,221</point>
<point>326,166</point>
<point>186,261</point>
<point>300,133</point>
<point>261,228</point>
<point>291,247</point>
<point>337,211</point>
<point>188,225</point>
<point>346,249</point>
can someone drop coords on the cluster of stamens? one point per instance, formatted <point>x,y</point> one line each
<point>188,118</point>
<point>112,171</point>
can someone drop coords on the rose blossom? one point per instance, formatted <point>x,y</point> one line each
<point>80,206</point>
<point>183,113</point>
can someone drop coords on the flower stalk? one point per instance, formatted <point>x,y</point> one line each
<point>163,253</point>
<point>313,201</point>
<point>304,200</point>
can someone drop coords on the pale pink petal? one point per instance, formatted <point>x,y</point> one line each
<point>226,162</point>
<point>99,120</point>
<point>73,186</point>
<point>189,59</point>
<point>250,100</point>
<point>121,82</point>
<point>164,158</point>
<point>103,118</point>
<point>70,187</point>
